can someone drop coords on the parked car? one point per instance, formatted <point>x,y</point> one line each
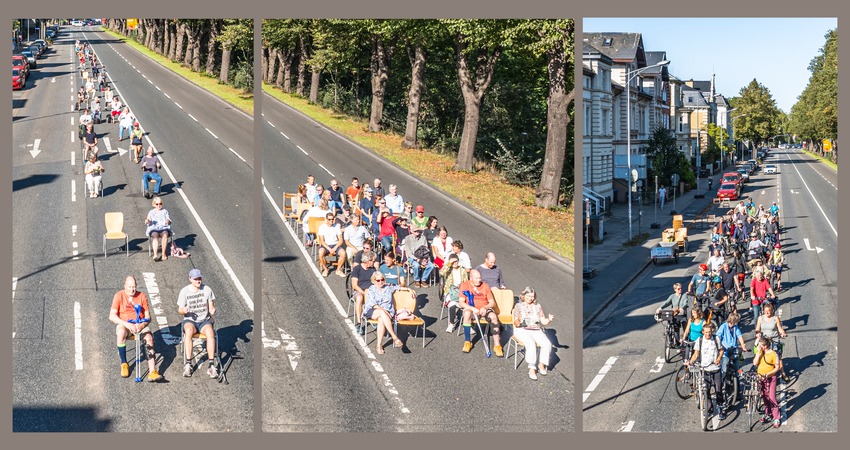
<point>745,176</point>
<point>43,43</point>
<point>30,59</point>
<point>36,50</point>
<point>754,163</point>
<point>19,62</point>
<point>19,80</point>
<point>728,191</point>
<point>747,166</point>
<point>770,168</point>
<point>76,23</point>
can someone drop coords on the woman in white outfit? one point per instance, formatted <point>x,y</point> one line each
<point>528,317</point>
<point>93,170</point>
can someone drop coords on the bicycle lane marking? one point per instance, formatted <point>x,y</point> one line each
<point>598,378</point>
<point>376,366</point>
<point>216,249</point>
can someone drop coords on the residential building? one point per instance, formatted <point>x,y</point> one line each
<point>597,135</point>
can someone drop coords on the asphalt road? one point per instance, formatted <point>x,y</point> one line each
<point>318,376</point>
<point>628,387</point>
<point>66,368</point>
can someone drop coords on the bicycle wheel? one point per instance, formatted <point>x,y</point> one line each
<point>684,387</point>
<point>668,346</point>
<point>730,389</point>
<point>703,407</point>
<point>751,406</point>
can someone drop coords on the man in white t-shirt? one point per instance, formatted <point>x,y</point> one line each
<point>330,243</point>
<point>196,302</point>
<point>395,202</point>
<point>354,235</point>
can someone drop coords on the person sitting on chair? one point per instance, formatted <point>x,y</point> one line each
<point>89,139</point>
<point>150,166</point>
<point>483,305</point>
<point>331,244</point>
<point>418,256</point>
<point>379,306</point>
<point>527,318</point>
<point>94,170</point>
<point>120,313</point>
<point>158,229</point>
<point>196,302</point>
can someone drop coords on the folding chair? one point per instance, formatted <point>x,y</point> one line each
<point>504,308</point>
<point>313,224</point>
<point>406,300</point>
<point>518,347</point>
<point>98,187</point>
<point>199,349</point>
<point>115,230</point>
<point>289,207</point>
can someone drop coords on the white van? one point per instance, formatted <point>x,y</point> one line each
<point>76,23</point>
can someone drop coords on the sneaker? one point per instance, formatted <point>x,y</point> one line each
<point>467,346</point>
<point>450,327</point>
<point>187,370</point>
<point>532,375</point>
<point>764,418</point>
<point>785,378</point>
<point>125,370</point>
<point>722,415</point>
<point>543,371</point>
<point>776,423</point>
<point>497,349</point>
<point>212,371</point>
<point>154,376</point>
<point>324,272</point>
<point>361,329</point>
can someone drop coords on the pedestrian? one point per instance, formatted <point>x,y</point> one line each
<point>662,195</point>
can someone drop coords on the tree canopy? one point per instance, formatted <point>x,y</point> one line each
<point>815,115</point>
<point>758,118</point>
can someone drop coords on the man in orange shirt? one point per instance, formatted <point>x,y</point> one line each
<point>353,190</point>
<point>483,305</point>
<point>122,311</point>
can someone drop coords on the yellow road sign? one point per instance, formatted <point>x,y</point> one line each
<point>827,145</point>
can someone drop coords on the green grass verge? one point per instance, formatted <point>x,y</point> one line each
<point>236,97</point>
<point>484,190</point>
<point>827,162</point>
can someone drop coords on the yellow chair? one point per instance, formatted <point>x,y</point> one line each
<point>518,347</point>
<point>405,299</point>
<point>289,207</point>
<point>504,305</point>
<point>115,230</point>
<point>313,224</point>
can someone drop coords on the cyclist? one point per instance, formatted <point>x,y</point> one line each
<point>769,365</point>
<point>759,289</point>
<point>775,262</point>
<point>770,326</point>
<point>679,302</point>
<point>730,335</point>
<point>721,302</point>
<point>715,261</point>
<point>774,210</point>
<point>755,250</point>
<point>710,353</point>
<point>729,278</point>
<point>699,282</point>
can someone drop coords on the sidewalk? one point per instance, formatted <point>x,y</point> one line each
<point>617,265</point>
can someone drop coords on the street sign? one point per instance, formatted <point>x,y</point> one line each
<point>634,175</point>
<point>827,145</point>
<point>675,178</point>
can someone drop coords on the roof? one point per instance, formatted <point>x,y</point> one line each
<point>591,52</point>
<point>654,58</point>
<point>704,86</point>
<point>721,101</point>
<point>620,47</point>
<point>692,97</point>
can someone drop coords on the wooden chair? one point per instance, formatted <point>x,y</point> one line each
<point>405,299</point>
<point>115,230</point>
<point>300,208</point>
<point>313,224</point>
<point>289,207</point>
<point>504,305</point>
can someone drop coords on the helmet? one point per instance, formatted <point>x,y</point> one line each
<point>703,267</point>
<point>717,279</point>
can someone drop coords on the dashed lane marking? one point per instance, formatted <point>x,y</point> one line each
<point>178,105</point>
<point>326,170</point>
<point>14,286</point>
<point>627,427</point>
<point>598,378</point>
<point>211,133</point>
<point>78,337</point>
<point>299,148</point>
<point>237,154</point>
<point>73,190</point>
<point>166,95</point>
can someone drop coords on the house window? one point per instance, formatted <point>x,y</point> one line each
<point>588,121</point>
<point>607,42</point>
<point>606,122</point>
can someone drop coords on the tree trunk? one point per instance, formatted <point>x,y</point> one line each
<point>196,47</point>
<point>224,75</point>
<point>473,92</point>
<point>302,66</point>
<point>314,85</point>
<point>287,71</point>
<point>281,63</point>
<point>180,42</point>
<point>190,45</point>
<point>379,66</point>
<point>171,39</point>
<point>264,68</point>
<point>414,96</point>
<point>557,123</point>
<point>212,47</point>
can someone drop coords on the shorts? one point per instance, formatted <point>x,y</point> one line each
<point>198,327</point>
<point>329,252</point>
<point>776,268</point>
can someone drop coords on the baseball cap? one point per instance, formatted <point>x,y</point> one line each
<point>415,228</point>
<point>195,273</point>
<point>420,208</point>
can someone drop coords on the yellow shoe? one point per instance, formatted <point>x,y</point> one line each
<point>154,376</point>
<point>497,349</point>
<point>125,370</point>
<point>467,346</point>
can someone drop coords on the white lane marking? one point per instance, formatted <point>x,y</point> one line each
<point>72,121</point>
<point>149,81</point>
<point>193,117</point>
<point>216,249</point>
<point>210,132</point>
<point>627,427</point>
<point>299,148</point>
<point>108,145</point>
<point>73,190</point>
<point>809,246</point>
<point>659,363</point>
<point>268,342</point>
<point>144,76</point>
<point>73,158</point>
<point>237,155</point>
<point>35,151</point>
<point>78,337</point>
<point>291,348</point>
<point>271,124</point>
<point>813,196</point>
<point>14,286</point>
<point>287,138</point>
<point>178,105</point>
<point>158,89</point>
<point>166,95</point>
<point>598,378</point>
<point>336,303</point>
<point>326,170</point>
<point>73,136</point>
<point>156,307</point>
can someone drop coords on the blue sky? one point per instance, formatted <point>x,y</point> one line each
<point>774,51</point>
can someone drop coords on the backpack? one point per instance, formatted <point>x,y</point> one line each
<point>422,252</point>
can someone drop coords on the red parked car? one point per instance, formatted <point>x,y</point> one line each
<point>19,80</point>
<point>728,191</point>
<point>20,63</point>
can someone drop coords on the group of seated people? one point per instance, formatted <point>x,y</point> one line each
<point>389,241</point>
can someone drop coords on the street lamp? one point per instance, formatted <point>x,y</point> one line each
<point>630,75</point>
<point>733,130</point>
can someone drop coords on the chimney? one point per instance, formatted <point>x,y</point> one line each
<point>712,87</point>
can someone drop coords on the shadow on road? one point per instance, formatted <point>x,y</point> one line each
<point>34,420</point>
<point>33,180</point>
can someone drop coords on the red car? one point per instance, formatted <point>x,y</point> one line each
<point>19,80</point>
<point>733,178</point>
<point>20,63</point>
<point>728,191</point>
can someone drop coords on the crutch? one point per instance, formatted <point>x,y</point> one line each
<point>137,320</point>
<point>471,302</point>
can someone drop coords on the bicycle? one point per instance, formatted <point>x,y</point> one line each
<point>701,391</point>
<point>731,382</point>
<point>671,334</point>
<point>685,383</point>
<point>753,396</point>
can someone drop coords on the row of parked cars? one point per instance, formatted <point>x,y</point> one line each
<point>732,183</point>
<point>27,58</point>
